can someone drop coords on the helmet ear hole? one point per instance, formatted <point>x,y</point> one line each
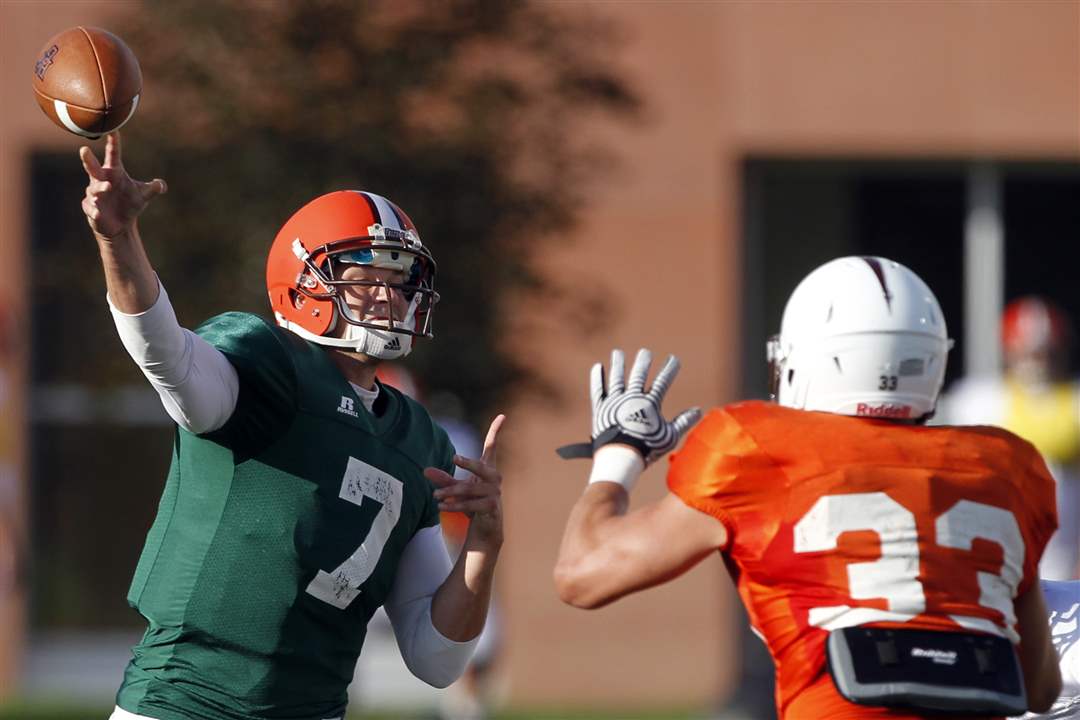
<point>790,376</point>
<point>296,299</point>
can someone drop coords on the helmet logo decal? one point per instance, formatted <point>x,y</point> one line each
<point>875,265</point>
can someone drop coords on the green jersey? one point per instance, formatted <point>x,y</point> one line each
<point>277,537</point>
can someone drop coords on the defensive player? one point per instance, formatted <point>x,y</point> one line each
<point>890,567</point>
<point>300,495</point>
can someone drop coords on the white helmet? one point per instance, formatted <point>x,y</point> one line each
<point>860,336</point>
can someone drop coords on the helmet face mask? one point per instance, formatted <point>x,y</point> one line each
<point>324,280</point>
<point>860,336</point>
<point>309,261</point>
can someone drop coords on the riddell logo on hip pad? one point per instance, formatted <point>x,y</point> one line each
<point>885,410</point>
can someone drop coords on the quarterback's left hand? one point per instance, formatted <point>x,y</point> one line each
<point>480,496</point>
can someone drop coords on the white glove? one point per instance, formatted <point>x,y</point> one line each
<point>628,415</point>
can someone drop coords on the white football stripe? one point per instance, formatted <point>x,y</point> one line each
<point>134,104</point>
<point>62,112</point>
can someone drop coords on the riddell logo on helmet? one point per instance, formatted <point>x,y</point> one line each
<point>885,410</point>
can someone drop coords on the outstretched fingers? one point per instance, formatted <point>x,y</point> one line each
<point>616,384</point>
<point>597,389</point>
<point>90,163</point>
<point>664,378</point>
<point>636,382</point>
<point>686,420</point>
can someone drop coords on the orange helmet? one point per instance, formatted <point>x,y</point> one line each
<point>349,227</point>
<point>1033,324</point>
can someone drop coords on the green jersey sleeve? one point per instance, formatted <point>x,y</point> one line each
<point>267,400</point>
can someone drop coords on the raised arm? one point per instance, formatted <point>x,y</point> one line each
<point>607,552</point>
<point>197,384</point>
<point>113,203</point>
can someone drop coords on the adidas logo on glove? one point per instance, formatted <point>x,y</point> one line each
<point>638,416</point>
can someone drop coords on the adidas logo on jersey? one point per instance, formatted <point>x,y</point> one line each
<point>348,407</point>
<point>939,657</point>
<point>394,344</point>
<point>885,410</point>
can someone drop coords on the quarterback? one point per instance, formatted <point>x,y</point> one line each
<point>890,567</point>
<point>303,494</point>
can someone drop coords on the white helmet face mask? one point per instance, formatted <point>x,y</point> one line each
<point>861,336</point>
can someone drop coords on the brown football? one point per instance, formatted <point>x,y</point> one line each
<point>87,81</point>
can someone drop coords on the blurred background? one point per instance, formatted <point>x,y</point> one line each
<point>588,175</point>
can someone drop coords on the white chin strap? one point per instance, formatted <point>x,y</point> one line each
<point>382,344</point>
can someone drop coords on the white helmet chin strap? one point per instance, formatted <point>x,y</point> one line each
<point>382,344</point>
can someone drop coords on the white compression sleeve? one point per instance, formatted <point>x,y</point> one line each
<point>197,383</point>
<point>429,655</point>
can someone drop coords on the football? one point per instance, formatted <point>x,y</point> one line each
<point>87,81</point>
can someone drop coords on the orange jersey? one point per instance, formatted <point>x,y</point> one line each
<point>835,521</point>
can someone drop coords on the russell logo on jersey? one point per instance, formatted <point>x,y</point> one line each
<point>347,407</point>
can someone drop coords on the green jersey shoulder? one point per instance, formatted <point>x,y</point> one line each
<point>277,536</point>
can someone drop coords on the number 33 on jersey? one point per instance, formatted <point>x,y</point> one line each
<point>836,521</point>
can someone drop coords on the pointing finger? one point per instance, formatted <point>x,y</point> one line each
<point>90,163</point>
<point>665,377</point>
<point>112,151</point>
<point>489,442</point>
